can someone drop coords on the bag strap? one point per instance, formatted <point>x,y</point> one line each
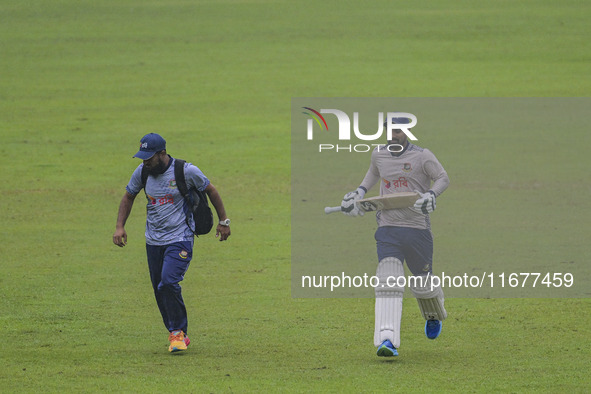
<point>179,177</point>
<point>144,177</point>
<point>181,183</point>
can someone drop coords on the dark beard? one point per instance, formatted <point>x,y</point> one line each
<point>157,170</point>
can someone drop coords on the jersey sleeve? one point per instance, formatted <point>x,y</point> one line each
<point>135,183</point>
<point>195,177</point>
<point>372,176</point>
<point>436,172</point>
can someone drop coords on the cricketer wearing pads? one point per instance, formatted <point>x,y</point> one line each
<point>169,238</point>
<point>403,234</point>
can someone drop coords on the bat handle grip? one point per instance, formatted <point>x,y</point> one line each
<point>328,210</point>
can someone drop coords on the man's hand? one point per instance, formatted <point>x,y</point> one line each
<point>426,203</point>
<point>223,232</point>
<point>349,206</point>
<point>120,237</point>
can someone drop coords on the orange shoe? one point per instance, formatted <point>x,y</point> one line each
<point>177,341</point>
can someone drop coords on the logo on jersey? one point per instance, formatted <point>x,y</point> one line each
<point>407,167</point>
<point>151,200</point>
<point>167,199</point>
<point>172,184</point>
<point>396,183</point>
<point>184,254</point>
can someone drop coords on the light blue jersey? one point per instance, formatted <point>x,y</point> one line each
<point>166,208</point>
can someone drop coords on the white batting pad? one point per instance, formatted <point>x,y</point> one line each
<point>430,299</point>
<point>388,311</point>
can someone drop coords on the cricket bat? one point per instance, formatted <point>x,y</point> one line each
<point>377,203</point>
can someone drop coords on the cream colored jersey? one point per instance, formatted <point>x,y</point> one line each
<point>415,168</point>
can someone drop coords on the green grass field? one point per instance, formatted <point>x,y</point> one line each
<point>81,82</point>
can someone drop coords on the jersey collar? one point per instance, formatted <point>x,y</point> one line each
<point>170,159</point>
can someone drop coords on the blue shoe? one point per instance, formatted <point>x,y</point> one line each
<point>433,328</point>
<point>386,349</point>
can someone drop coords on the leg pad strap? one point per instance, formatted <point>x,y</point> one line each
<point>430,299</point>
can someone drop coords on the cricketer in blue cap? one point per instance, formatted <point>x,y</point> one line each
<point>149,145</point>
<point>169,227</point>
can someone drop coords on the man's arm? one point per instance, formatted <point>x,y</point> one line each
<point>349,203</point>
<point>440,183</point>
<point>371,178</point>
<point>216,200</point>
<point>436,172</point>
<point>426,202</point>
<point>120,235</point>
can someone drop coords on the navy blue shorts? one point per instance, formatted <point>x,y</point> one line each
<point>404,243</point>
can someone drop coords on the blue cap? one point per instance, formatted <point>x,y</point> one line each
<point>149,145</point>
<point>398,121</point>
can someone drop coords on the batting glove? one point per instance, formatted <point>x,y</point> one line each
<point>426,202</point>
<point>349,206</point>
